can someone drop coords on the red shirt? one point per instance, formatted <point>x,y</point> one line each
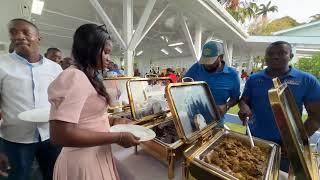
<point>173,77</point>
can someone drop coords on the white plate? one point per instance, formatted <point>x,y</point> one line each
<point>143,133</point>
<point>35,115</point>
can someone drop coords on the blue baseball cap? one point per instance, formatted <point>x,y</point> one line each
<point>210,51</point>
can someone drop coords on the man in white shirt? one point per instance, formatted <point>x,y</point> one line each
<point>24,79</point>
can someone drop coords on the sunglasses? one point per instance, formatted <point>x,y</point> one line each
<point>103,27</point>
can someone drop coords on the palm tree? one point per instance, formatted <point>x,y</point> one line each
<point>244,11</point>
<point>265,9</point>
<point>251,10</point>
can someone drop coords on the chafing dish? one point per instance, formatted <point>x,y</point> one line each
<point>150,109</point>
<point>197,121</point>
<point>303,161</point>
<point>117,90</point>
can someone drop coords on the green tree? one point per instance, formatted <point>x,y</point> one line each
<point>310,65</point>
<point>243,11</point>
<point>275,25</point>
<point>280,24</point>
<point>315,17</point>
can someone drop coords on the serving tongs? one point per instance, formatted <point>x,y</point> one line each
<point>249,133</point>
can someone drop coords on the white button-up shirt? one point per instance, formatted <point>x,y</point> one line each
<point>23,86</point>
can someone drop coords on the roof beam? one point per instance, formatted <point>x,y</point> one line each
<point>105,18</point>
<point>150,26</point>
<point>187,34</point>
<point>142,23</point>
<point>68,16</point>
<point>56,35</point>
<point>55,26</point>
<point>198,39</point>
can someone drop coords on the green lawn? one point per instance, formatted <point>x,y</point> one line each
<point>241,129</point>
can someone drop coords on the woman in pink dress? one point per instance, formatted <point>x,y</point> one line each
<point>77,119</point>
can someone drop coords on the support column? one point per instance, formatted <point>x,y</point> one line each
<point>187,34</point>
<point>228,51</point>
<point>295,57</point>
<point>250,64</point>
<point>127,34</point>
<point>198,39</point>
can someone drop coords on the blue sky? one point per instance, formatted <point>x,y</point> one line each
<point>300,10</point>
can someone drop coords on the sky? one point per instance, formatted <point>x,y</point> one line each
<point>300,10</point>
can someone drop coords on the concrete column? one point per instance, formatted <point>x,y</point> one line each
<point>250,64</point>
<point>230,52</point>
<point>295,57</point>
<point>127,34</point>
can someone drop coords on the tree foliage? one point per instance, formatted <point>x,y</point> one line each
<point>258,28</point>
<point>315,17</point>
<point>310,65</point>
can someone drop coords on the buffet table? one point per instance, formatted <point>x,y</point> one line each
<point>146,167</point>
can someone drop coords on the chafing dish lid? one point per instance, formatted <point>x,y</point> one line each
<point>193,108</point>
<point>117,90</point>
<point>147,97</point>
<point>294,137</point>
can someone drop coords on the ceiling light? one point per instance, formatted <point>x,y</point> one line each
<point>176,44</point>
<point>164,51</point>
<point>178,49</point>
<point>37,7</point>
<point>139,53</point>
<point>162,37</point>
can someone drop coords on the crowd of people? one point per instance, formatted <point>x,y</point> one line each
<point>75,143</point>
<point>78,130</point>
<point>110,70</point>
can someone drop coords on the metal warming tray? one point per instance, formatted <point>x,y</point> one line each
<point>149,108</point>
<point>198,123</point>
<point>117,90</point>
<point>303,161</point>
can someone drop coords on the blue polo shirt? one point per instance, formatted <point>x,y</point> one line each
<point>223,85</point>
<point>305,89</point>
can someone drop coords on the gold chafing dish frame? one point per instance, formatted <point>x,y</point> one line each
<point>166,153</point>
<point>303,163</point>
<point>126,108</point>
<point>203,140</point>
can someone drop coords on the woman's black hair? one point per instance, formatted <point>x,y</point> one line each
<point>89,41</point>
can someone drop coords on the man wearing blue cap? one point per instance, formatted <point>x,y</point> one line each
<point>223,80</point>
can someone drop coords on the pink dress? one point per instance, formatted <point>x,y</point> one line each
<point>73,99</point>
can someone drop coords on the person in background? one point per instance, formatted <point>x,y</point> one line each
<point>171,75</point>
<point>255,104</point>
<point>137,73</point>
<point>24,79</point>
<point>78,121</point>
<point>54,54</point>
<point>244,75</point>
<point>223,80</point>
<point>66,62</point>
<point>116,69</point>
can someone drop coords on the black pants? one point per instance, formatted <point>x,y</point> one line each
<point>21,157</point>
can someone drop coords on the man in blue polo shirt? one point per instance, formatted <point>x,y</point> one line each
<point>255,104</point>
<point>223,80</point>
